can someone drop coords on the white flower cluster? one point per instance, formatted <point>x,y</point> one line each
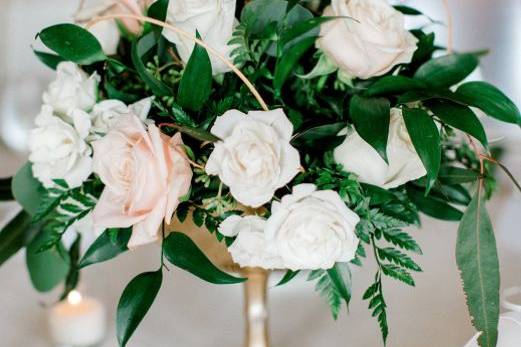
<point>69,120</point>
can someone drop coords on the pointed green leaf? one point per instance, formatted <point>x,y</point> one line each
<point>196,84</point>
<point>49,59</point>
<point>448,70</point>
<point>407,10</point>
<point>6,193</point>
<point>27,190</point>
<point>286,64</point>
<point>457,175</point>
<point>158,10</point>
<point>433,207</point>
<point>300,28</point>
<point>394,85</point>
<point>49,267</point>
<point>288,276</point>
<point>340,276</point>
<point>72,42</point>
<point>371,117</point>
<point>181,251</point>
<point>139,49</point>
<point>490,100</point>
<point>476,255</point>
<point>15,235</point>
<point>322,137</point>
<point>460,117</point>
<point>110,244</point>
<point>136,300</point>
<point>426,140</point>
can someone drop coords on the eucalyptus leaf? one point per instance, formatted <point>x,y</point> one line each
<point>49,267</point>
<point>15,235</point>
<point>433,207</point>
<point>181,251</point>
<point>477,259</point>
<point>460,117</point>
<point>426,140</point>
<point>490,100</point>
<point>136,300</point>
<point>196,84</point>
<point>371,117</point>
<point>110,244</point>
<point>72,42</point>
<point>447,70</point>
<point>27,190</point>
<point>139,49</point>
<point>49,59</point>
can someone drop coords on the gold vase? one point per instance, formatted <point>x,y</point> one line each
<point>255,288</point>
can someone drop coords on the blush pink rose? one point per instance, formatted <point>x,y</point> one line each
<point>145,174</point>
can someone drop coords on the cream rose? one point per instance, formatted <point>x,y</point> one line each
<point>72,89</point>
<point>107,32</point>
<point>312,229</point>
<point>369,43</point>
<point>145,174</point>
<point>254,157</point>
<point>58,150</point>
<point>214,20</point>
<point>359,157</point>
<point>106,113</point>
<point>250,247</point>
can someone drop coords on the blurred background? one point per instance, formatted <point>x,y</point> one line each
<point>189,312</point>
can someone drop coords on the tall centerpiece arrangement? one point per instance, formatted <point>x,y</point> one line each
<point>304,135</point>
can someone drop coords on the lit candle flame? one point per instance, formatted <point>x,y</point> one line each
<point>74,297</point>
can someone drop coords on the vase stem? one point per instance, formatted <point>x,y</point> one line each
<point>255,307</point>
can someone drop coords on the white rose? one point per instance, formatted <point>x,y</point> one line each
<point>72,89</point>
<point>312,229</point>
<point>214,20</point>
<point>369,43</point>
<point>254,157</point>
<point>359,157</point>
<point>107,112</point>
<point>58,150</point>
<point>250,248</point>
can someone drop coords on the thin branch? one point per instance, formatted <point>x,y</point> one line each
<point>504,168</point>
<point>185,34</point>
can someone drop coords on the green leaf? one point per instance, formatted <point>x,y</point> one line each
<point>181,251</point>
<point>257,15</point>
<point>394,85</point>
<point>490,100</point>
<point>285,66</point>
<point>322,137</point>
<point>371,117</point>
<point>27,190</point>
<point>447,70</point>
<point>433,207</point>
<point>49,267</point>
<point>408,10</point>
<point>288,276</point>
<point>477,259</point>
<point>300,28</point>
<point>158,10</point>
<point>426,140</point>
<point>49,59</point>
<point>110,244</point>
<point>398,273</point>
<point>395,256</point>
<point>6,193</point>
<point>73,277</point>
<point>72,42</point>
<point>198,134</point>
<point>136,300</point>
<point>140,48</point>
<point>196,84</point>
<point>340,276</point>
<point>15,235</point>
<point>460,117</point>
<point>457,175</point>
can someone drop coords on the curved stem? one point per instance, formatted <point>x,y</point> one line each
<point>185,34</point>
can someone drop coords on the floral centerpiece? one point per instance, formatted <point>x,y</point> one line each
<point>305,135</point>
